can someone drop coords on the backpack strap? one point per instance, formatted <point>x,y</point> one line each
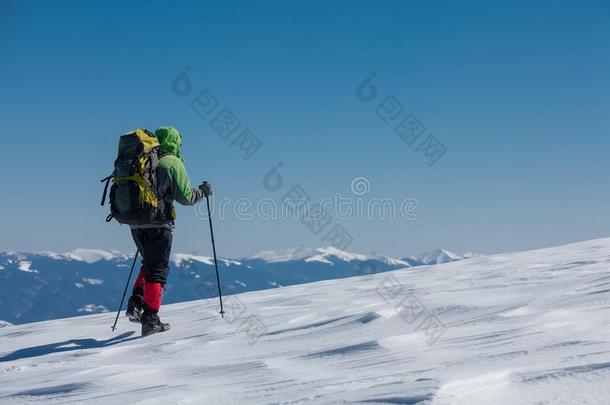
<point>107,180</point>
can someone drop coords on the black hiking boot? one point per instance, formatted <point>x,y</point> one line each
<point>152,324</point>
<point>135,307</point>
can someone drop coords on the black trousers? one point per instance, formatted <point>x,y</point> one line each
<point>155,246</point>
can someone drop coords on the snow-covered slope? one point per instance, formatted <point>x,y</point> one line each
<point>520,328</point>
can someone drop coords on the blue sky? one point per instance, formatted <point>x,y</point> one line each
<point>518,93</point>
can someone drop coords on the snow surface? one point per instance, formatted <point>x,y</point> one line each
<point>520,328</point>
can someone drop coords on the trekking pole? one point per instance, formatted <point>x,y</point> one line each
<point>126,287</point>
<point>222,312</point>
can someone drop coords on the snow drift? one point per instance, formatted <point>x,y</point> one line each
<point>520,328</point>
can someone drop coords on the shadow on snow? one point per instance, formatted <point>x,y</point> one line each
<point>68,345</point>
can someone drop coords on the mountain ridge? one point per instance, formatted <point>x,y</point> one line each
<point>91,255</point>
<point>48,285</point>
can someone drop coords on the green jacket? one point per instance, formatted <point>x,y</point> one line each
<point>173,180</point>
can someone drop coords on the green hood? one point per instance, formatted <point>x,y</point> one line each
<point>170,140</point>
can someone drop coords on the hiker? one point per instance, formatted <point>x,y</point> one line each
<point>151,227</point>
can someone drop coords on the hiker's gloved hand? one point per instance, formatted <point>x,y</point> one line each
<point>206,189</point>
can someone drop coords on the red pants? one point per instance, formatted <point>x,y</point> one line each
<point>151,293</point>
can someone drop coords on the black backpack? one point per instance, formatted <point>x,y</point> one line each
<point>133,195</point>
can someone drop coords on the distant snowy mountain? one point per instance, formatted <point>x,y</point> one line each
<point>49,285</point>
<point>309,254</point>
<point>87,255</point>
<point>329,255</point>
<point>526,328</point>
<point>439,256</point>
